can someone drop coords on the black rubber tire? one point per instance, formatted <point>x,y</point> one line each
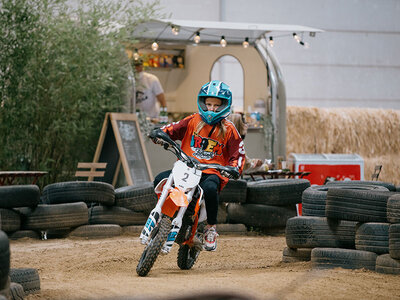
<point>10,220</point>
<point>187,256</point>
<point>234,229</point>
<point>79,191</point>
<point>133,230</point>
<point>5,291</point>
<point>235,191</point>
<point>314,200</point>
<point>16,291</point>
<point>54,216</point>
<point>222,216</point>
<point>393,209</point>
<point>391,187</point>
<point>327,258</point>
<point>312,232</point>
<point>387,265</point>
<point>373,237</point>
<point>314,197</point>
<point>98,231</point>
<point>20,234</point>
<point>394,241</point>
<point>277,192</point>
<point>19,196</point>
<point>4,259</point>
<point>115,215</point>
<point>357,205</point>
<point>28,278</point>
<point>152,250</point>
<point>138,199</point>
<point>59,233</point>
<point>290,255</point>
<point>258,215</point>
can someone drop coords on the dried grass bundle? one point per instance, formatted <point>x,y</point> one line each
<point>372,133</point>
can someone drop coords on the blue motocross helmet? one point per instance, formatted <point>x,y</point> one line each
<point>215,89</point>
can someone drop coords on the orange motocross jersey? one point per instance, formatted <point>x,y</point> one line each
<point>208,146</point>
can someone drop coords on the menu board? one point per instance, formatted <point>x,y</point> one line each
<point>121,143</point>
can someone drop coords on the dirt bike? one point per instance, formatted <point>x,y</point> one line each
<point>179,211</point>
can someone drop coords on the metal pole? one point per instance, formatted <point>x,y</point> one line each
<point>281,101</point>
<point>273,83</point>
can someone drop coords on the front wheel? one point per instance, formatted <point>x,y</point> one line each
<point>152,250</point>
<point>187,256</point>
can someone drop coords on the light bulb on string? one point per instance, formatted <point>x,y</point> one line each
<point>296,37</point>
<point>197,37</point>
<point>271,41</point>
<point>175,30</point>
<point>154,46</point>
<point>223,41</point>
<point>136,54</point>
<point>246,43</point>
<point>305,44</point>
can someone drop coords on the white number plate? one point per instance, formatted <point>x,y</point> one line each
<point>185,177</point>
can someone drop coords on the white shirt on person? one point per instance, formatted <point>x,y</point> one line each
<point>147,89</point>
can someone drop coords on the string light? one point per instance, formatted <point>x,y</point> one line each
<point>154,46</point>
<point>197,38</point>
<point>271,41</point>
<point>305,44</point>
<point>136,54</point>
<point>246,43</point>
<point>296,37</point>
<point>223,41</point>
<point>175,29</point>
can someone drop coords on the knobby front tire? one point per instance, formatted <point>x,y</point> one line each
<point>153,249</point>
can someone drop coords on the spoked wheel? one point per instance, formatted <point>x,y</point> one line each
<point>152,250</point>
<point>187,256</point>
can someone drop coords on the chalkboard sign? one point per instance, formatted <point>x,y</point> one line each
<point>121,143</point>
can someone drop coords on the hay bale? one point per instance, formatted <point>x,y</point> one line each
<point>372,133</point>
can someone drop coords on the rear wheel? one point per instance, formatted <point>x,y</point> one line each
<point>152,250</point>
<point>187,256</point>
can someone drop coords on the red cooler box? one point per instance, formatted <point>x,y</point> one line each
<point>327,167</point>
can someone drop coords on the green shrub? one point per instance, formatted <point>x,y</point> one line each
<point>61,70</point>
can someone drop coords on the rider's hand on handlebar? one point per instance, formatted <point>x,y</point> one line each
<point>234,174</point>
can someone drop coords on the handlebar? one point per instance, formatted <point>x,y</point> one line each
<point>160,137</point>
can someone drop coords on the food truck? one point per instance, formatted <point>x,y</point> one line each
<point>183,55</point>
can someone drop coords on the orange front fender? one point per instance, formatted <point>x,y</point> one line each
<point>176,199</point>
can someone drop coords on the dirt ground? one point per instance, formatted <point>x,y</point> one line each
<point>248,265</point>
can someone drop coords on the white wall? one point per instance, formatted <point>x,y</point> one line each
<point>355,62</point>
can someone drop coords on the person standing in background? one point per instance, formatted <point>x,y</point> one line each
<point>148,92</point>
<point>251,164</point>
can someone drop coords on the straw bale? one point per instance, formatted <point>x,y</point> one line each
<point>374,134</point>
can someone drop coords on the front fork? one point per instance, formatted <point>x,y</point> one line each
<point>176,225</point>
<point>155,214</point>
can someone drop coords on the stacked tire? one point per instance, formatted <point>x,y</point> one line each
<point>107,211</point>
<point>74,208</point>
<point>350,225</point>
<point>390,261</point>
<point>268,204</point>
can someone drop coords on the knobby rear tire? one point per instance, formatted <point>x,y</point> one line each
<point>187,257</point>
<point>153,249</point>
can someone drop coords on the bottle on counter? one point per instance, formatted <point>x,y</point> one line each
<point>163,115</point>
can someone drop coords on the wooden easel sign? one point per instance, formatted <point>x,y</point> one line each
<point>121,143</point>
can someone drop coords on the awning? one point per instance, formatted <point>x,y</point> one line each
<point>211,32</point>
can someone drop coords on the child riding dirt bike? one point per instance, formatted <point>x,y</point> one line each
<point>211,147</point>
